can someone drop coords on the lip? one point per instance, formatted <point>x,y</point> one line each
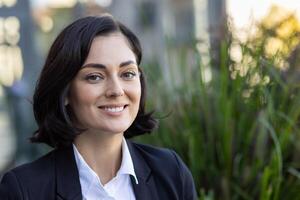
<point>113,109</point>
<point>112,105</point>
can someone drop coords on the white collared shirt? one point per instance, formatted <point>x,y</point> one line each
<point>118,188</point>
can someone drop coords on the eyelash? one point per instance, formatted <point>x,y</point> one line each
<point>99,77</point>
<point>92,77</point>
<point>131,73</point>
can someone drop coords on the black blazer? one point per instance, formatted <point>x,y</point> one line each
<point>161,174</point>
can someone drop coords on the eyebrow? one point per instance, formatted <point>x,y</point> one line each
<point>101,66</point>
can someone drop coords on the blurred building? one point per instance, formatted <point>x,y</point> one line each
<point>18,64</point>
<point>160,24</point>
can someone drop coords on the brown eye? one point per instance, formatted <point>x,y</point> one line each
<point>128,75</point>
<point>93,78</point>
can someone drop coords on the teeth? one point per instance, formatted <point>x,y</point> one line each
<point>114,109</point>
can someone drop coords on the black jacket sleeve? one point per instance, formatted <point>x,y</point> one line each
<point>188,186</point>
<point>10,187</point>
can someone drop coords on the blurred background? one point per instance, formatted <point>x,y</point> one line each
<point>223,78</point>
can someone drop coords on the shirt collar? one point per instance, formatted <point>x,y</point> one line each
<point>87,175</point>
<point>127,164</point>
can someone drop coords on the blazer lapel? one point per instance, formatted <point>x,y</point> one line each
<point>145,189</point>
<point>67,177</point>
<point>68,183</point>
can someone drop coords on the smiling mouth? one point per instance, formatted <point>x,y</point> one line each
<point>113,109</point>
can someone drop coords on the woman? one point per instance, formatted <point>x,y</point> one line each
<point>90,97</point>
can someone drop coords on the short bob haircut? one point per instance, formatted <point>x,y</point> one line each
<point>66,57</point>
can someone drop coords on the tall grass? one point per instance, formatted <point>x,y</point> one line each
<point>240,139</point>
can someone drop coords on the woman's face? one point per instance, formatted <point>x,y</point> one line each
<point>105,94</point>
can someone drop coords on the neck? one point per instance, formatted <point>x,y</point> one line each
<point>102,152</point>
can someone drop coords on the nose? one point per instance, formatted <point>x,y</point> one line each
<point>114,88</point>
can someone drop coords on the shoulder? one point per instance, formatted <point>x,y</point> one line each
<point>167,165</point>
<point>156,156</point>
<point>160,160</point>
<point>155,153</point>
<point>35,168</point>
<point>38,173</point>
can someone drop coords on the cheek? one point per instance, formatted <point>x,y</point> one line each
<point>135,92</point>
<point>81,97</point>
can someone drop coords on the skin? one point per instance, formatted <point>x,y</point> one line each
<point>105,97</point>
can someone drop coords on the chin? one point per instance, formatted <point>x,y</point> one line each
<point>115,130</point>
<point>111,127</point>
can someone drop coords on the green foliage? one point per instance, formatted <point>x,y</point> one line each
<point>240,140</point>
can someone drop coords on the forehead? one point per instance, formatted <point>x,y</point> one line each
<point>112,49</point>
